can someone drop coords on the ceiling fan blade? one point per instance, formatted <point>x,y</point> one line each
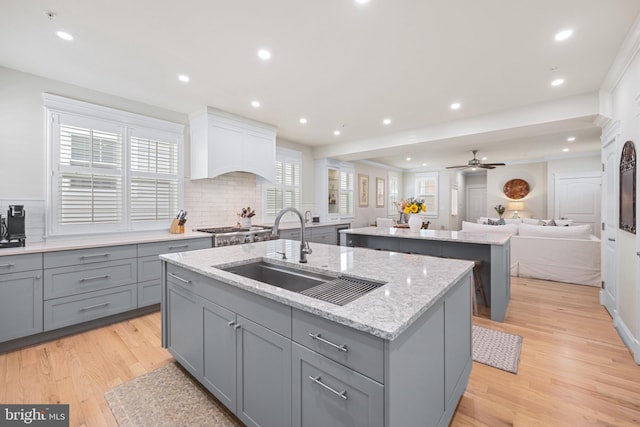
<point>494,164</point>
<point>457,167</point>
<point>486,166</point>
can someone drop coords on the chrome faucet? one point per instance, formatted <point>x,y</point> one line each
<point>304,245</point>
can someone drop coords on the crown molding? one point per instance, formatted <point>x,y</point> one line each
<point>626,54</point>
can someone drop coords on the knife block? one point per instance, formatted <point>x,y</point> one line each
<point>175,227</point>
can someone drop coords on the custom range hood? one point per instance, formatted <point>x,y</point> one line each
<point>222,142</point>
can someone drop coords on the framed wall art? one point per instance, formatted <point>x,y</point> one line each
<point>380,193</point>
<point>363,190</point>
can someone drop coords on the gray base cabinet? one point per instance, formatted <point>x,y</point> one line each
<point>20,304</point>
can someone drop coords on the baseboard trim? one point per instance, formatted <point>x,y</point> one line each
<point>629,340</point>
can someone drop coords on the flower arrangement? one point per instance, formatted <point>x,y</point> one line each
<point>247,212</point>
<point>411,205</point>
<point>500,209</point>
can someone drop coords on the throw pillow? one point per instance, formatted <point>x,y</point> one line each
<point>549,223</point>
<point>563,222</point>
<point>498,222</point>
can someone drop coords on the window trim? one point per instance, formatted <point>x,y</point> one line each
<point>434,176</point>
<point>282,155</point>
<point>128,124</point>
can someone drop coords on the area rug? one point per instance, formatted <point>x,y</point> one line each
<point>495,348</point>
<point>168,396</point>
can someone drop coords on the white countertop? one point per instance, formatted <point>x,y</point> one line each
<point>61,244</point>
<point>442,235</point>
<point>414,282</point>
<point>296,224</point>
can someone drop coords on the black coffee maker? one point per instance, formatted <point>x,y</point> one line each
<point>12,228</point>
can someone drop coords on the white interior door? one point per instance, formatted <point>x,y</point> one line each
<point>578,198</point>
<point>609,261</point>
<point>476,202</point>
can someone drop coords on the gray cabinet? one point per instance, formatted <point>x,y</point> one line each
<point>325,234</point>
<point>20,302</point>
<point>328,394</point>
<point>184,310</point>
<point>290,234</point>
<point>149,265</point>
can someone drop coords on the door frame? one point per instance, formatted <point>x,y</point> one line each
<point>473,187</point>
<point>560,176</point>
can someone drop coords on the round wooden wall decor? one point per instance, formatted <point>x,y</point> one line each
<point>516,188</point>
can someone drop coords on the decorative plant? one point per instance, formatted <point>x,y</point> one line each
<point>500,209</point>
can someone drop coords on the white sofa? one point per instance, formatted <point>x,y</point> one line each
<point>563,253</point>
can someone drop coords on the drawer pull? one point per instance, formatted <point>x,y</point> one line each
<point>611,239</point>
<point>342,394</point>
<point>94,256</point>
<point>171,248</point>
<point>231,323</point>
<point>104,304</point>
<point>6,265</point>
<point>188,282</point>
<point>342,347</point>
<point>86,279</point>
<point>236,326</point>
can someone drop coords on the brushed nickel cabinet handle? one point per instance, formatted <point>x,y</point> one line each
<point>94,256</point>
<point>6,265</point>
<point>188,282</point>
<point>611,239</point>
<point>342,394</point>
<point>171,248</point>
<point>104,304</point>
<point>86,279</point>
<point>342,347</point>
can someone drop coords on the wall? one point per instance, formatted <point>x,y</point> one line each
<point>535,202</point>
<point>442,221</point>
<point>625,100</point>
<point>365,216</point>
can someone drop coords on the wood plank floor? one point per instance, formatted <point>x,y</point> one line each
<point>574,369</point>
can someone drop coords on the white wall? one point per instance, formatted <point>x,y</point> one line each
<point>442,221</point>
<point>535,202</point>
<point>365,216</point>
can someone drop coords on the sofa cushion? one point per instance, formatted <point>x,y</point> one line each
<point>563,222</point>
<point>532,221</point>
<point>498,222</point>
<point>472,227</point>
<point>575,232</point>
<point>485,220</point>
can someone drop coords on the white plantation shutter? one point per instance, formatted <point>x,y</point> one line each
<point>394,193</point>
<point>345,202</point>
<point>285,191</point>
<point>110,170</point>
<point>154,179</point>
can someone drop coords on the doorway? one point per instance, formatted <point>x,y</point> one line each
<point>578,198</point>
<point>476,202</point>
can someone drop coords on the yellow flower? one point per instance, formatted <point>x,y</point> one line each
<point>407,209</point>
<point>414,208</point>
<point>424,208</point>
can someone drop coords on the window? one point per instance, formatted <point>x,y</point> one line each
<point>286,190</point>
<point>427,189</point>
<point>394,192</point>
<point>110,171</point>
<point>345,202</point>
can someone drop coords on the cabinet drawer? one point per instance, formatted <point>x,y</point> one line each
<point>88,255</point>
<point>149,268</point>
<point>64,281</point>
<point>324,235</point>
<point>75,309</point>
<point>264,311</point>
<point>182,245</point>
<point>149,293</point>
<point>355,349</point>
<point>17,263</point>
<point>292,234</point>
<point>328,394</point>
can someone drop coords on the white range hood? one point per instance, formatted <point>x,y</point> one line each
<point>222,142</point>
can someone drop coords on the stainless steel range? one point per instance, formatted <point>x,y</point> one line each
<point>227,236</point>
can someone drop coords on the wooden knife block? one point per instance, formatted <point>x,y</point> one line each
<point>175,228</point>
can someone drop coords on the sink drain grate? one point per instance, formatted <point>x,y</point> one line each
<point>342,290</point>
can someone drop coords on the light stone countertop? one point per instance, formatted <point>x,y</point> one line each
<point>81,242</point>
<point>413,282</point>
<point>296,224</point>
<point>442,235</point>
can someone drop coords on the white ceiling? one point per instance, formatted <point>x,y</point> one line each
<point>346,66</point>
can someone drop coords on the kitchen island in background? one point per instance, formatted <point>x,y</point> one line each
<point>493,249</point>
<point>279,358</point>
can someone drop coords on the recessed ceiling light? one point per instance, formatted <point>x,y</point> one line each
<point>264,54</point>
<point>455,106</point>
<point>336,132</point>
<point>557,82</point>
<point>184,78</point>
<point>571,138</point>
<point>565,150</point>
<point>424,164</point>
<point>303,120</point>
<point>484,158</point>
<point>255,104</point>
<point>563,35</point>
<point>408,158</point>
<point>64,36</point>
<point>362,1</point>
<point>387,121</point>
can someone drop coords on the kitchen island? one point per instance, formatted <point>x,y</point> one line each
<point>493,249</point>
<point>279,358</point>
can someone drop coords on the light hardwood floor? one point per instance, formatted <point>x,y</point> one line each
<point>574,369</point>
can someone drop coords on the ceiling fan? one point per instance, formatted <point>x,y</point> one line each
<point>475,163</point>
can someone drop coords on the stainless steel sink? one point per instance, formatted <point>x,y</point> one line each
<point>289,278</point>
<point>335,289</point>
